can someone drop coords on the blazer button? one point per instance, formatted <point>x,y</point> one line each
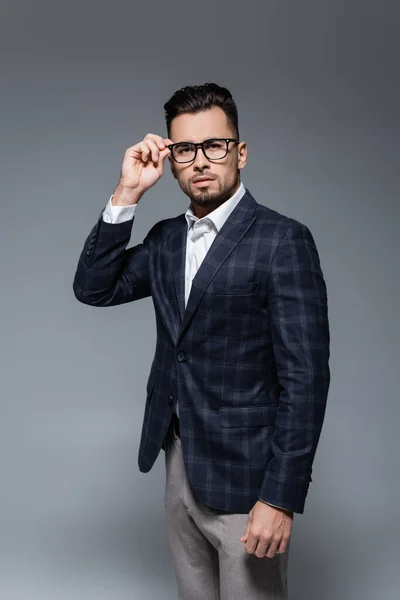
<point>88,252</point>
<point>181,357</point>
<point>170,400</point>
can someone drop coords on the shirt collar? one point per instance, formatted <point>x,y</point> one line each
<point>219,215</point>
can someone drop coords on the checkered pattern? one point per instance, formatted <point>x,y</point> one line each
<point>247,358</point>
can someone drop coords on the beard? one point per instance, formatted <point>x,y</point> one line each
<point>204,197</point>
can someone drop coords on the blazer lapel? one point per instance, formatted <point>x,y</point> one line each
<point>228,237</point>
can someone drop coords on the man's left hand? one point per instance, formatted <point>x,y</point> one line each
<point>267,531</point>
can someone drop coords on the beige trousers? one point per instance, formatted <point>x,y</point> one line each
<point>209,560</point>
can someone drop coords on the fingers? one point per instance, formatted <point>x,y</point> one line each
<point>251,543</point>
<point>152,147</point>
<point>155,138</point>
<point>159,146</point>
<point>264,545</point>
<point>282,547</point>
<point>261,548</point>
<point>161,142</point>
<point>246,533</point>
<point>146,149</point>
<point>152,152</point>
<point>270,549</point>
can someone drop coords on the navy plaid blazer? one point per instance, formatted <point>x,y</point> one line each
<point>247,359</point>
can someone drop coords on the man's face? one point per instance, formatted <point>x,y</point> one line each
<point>224,173</point>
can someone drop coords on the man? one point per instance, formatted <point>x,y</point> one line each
<point>237,389</point>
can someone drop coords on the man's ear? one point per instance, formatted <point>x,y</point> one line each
<point>242,155</point>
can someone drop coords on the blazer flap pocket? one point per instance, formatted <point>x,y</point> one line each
<point>247,416</point>
<point>248,287</point>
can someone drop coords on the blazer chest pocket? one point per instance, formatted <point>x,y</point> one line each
<point>235,289</point>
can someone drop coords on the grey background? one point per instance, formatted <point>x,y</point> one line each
<point>317,89</point>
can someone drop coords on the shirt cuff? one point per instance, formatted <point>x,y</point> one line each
<point>274,505</point>
<point>118,214</point>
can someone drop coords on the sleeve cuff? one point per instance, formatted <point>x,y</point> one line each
<point>274,505</point>
<point>118,214</point>
<point>288,492</point>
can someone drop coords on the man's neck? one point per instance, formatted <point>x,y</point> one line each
<point>203,211</point>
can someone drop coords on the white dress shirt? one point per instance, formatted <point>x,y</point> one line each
<point>203,231</point>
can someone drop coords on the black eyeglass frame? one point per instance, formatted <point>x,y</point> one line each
<point>201,145</point>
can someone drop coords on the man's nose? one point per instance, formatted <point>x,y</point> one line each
<point>201,160</point>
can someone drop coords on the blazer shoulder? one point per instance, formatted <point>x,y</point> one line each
<point>281,223</point>
<point>165,227</point>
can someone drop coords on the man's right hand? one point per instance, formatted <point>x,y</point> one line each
<point>142,167</point>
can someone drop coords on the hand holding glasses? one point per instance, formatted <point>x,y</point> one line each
<point>143,163</point>
<point>142,167</point>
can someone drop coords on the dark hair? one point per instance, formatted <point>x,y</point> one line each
<point>194,98</point>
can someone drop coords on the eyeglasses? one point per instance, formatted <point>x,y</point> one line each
<point>213,149</point>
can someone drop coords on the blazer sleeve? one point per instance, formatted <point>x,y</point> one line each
<point>298,312</point>
<point>107,273</point>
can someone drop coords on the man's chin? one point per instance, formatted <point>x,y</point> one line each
<point>203,193</point>
<point>204,199</point>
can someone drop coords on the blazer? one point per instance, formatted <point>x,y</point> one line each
<point>247,359</point>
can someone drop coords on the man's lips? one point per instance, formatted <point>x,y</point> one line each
<point>202,179</point>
